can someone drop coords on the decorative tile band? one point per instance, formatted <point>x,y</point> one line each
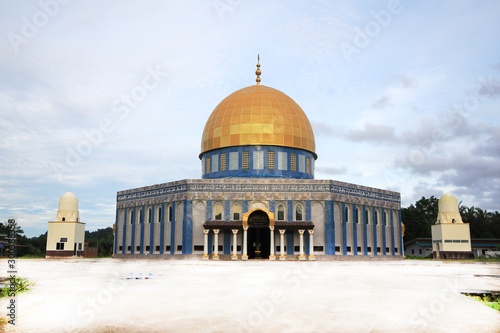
<point>289,187</point>
<point>165,190</point>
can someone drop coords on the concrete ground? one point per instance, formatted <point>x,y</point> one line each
<point>111,295</point>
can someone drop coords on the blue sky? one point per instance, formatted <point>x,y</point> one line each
<point>98,97</point>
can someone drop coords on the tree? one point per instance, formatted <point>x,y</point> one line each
<point>102,239</point>
<point>418,218</point>
<point>40,243</point>
<point>36,246</point>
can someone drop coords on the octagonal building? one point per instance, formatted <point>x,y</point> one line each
<point>257,197</point>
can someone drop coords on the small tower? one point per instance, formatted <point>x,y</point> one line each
<point>450,235</point>
<point>66,235</point>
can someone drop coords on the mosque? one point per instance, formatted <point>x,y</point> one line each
<point>257,197</point>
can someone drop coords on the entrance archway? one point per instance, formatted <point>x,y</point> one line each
<point>259,239</point>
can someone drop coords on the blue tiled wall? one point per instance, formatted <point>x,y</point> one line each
<point>251,172</point>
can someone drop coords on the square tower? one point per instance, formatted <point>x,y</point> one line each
<point>450,236</point>
<point>66,235</point>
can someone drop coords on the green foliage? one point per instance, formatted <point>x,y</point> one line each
<point>483,224</point>
<point>34,247</point>
<point>419,218</point>
<point>418,257</point>
<point>492,300</point>
<point>21,285</point>
<point>40,243</point>
<point>3,323</point>
<point>24,246</point>
<point>102,239</point>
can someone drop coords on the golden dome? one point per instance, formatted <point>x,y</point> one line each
<point>258,115</point>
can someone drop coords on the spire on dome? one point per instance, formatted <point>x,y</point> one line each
<point>258,72</point>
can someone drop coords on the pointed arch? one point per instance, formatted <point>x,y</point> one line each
<point>236,212</point>
<point>299,212</point>
<point>281,212</point>
<point>247,214</point>
<point>218,215</point>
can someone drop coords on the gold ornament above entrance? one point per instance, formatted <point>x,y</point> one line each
<point>270,215</point>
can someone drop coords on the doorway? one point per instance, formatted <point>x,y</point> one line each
<point>259,239</point>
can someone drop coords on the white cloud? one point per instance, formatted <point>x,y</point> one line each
<point>369,114</point>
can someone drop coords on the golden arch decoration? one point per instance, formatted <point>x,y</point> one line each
<point>270,215</point>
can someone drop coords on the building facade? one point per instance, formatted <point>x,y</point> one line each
<point>422,247</point>
<point>257,197</point>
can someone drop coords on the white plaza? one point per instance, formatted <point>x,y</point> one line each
<point>109,295</point>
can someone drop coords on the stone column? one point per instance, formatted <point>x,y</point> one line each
<point>235,244</point>
<point>301,255</point>
<point>245,235</point>
<point>311,245</point>
<point>216,245</point>
<point>282,245</point>
<point>205,244</point>
<point>271,255</point>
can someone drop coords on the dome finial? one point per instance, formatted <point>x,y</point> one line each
<point>258,72</point>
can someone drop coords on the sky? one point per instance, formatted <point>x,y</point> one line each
<point>102,96</point>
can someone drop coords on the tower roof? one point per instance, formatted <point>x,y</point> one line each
<point>68,201</point>
<point>447,203</point>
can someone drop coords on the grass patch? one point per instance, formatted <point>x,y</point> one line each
<point>21,285</point>
<point>417,258</point>
<point>31,256</point>
<point>490,299</point>
<point>479,259</point>
<point>487,259</point>
<point>3,324</point>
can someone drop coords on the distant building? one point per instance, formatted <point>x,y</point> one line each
<point>422,247</point>
<point>66,235</point>
<point>450,235</point>
<point>258,197</point>
<point>3,244</point>
<point>89,252</point>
